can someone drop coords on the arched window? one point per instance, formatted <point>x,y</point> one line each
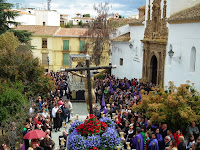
<point>192,59</point>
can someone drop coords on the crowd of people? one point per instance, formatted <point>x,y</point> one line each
<point>47,114</point>
<point>121,95</point>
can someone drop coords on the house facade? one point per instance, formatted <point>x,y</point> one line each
<point>63,47</point>
<point>167,38</point>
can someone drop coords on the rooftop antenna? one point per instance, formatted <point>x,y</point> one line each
<point>48,4</point>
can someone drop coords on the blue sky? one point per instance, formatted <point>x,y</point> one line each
<point>123,7</point>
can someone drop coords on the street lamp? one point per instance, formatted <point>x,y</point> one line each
<point>130,45</point>
<point>171,54</point>
<point>48,62</point>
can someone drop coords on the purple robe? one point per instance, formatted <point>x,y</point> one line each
<point>111,88</point>
<point>105,110</point>
<point>159,137</point>
<point>153,145</point>
<point>137,142</point>
<point>103,104</point>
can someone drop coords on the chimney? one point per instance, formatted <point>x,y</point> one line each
<point>142,11</point>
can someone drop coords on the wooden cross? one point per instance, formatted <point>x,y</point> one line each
<point>88,68</point>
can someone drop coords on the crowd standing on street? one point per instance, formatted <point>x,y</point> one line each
<point>121,95</point>
<point>47,114</point>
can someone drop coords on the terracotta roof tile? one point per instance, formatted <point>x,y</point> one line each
<point>84,18</point>
<point>142,7</point>
<point>72,32</point>
<point>124,37</point>
<point>137,21</point>
<point>39,30</point>
<point>191,13</point>
<point>18,11</point>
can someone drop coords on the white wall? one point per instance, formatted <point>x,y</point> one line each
<point>132,58</point>
<point>137,34</point>
<point>51,18</point>
<point>183,37</point>
<point>130,69</point>
<point>26,19</point>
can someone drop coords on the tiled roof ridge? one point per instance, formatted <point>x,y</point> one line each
<point>187,14</point>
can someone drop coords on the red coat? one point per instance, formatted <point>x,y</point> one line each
<point>176,136</point>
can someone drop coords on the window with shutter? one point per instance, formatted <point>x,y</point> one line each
<point>65,59</point>
<point>82,45</point>
<point>44,59</point>
<point>66,45</point>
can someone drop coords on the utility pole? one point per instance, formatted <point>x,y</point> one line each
<point>48,4</point>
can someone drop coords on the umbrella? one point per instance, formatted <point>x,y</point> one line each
<point>34,134</point>
<point>60,103</point>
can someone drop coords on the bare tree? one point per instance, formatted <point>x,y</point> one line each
<point>99,30</point>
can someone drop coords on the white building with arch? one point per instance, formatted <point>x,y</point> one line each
<point>183,27</point>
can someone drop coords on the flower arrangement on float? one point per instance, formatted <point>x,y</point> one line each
<point>93,134</point>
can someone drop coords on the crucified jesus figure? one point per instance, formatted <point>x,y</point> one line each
<point>86,86</point>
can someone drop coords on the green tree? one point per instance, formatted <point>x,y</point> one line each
<point>80,23</point>
<point>12,100</point>
<point>86,15</point>
<point>13,108</point>
<point>20,66</point>
<point>7,18</point>
<point>177,106</point>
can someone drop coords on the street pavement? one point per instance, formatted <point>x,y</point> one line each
<point>79,108</point>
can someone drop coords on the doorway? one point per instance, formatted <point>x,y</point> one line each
<point>154,65</point>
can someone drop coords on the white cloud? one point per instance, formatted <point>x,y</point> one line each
<point>72,7</point>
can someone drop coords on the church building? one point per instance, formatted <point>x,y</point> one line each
<point>162,45</point>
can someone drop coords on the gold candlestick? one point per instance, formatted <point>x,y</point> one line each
<point>71,111</point>
<point>121,135</point>
<point>70,122</point>
<point>118,147</point>
<point>128,145</point>
<point>113,115</point>
<point>101,114</point>
<point>63,124</point>
<point>77,116</point>
<point>62,141</point>
<point>108,106</point>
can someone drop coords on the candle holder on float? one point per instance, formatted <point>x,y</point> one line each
<point>108,106</point>
<point>122,135</point>
<point>63,124</point>
<point>128,145</point>
<point>71,112</point>
<point>77,116</point>
<point>70,121</point>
